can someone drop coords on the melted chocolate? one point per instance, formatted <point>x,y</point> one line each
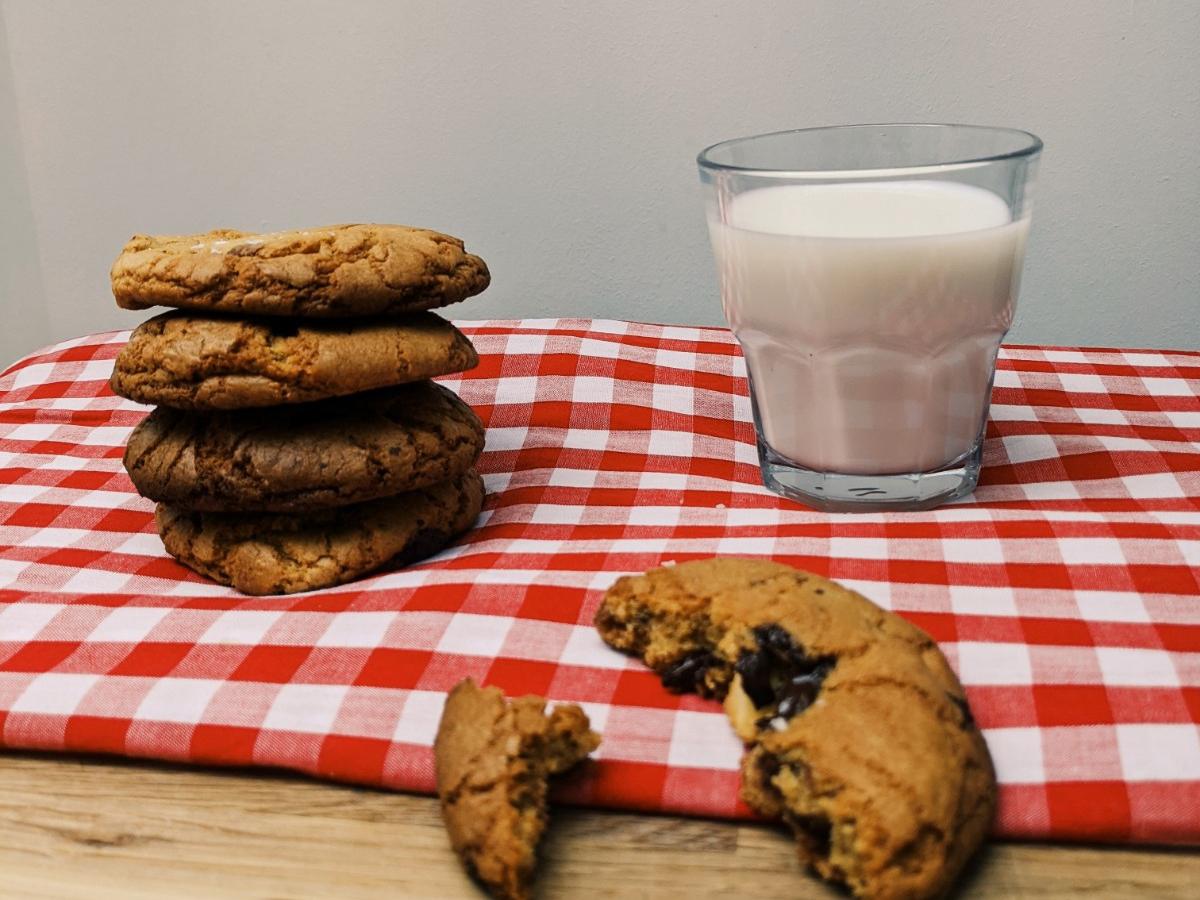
<point>780,674</point>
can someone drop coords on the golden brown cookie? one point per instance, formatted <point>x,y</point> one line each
<point>860,735</point>
<point>305,457</point>
<point>266,553</point>
<point>199,361</point>
<point>493,759</point>
<point>332,271</point>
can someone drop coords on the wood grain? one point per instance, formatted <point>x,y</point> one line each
<point>104,829</point>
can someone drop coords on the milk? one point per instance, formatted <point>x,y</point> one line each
<point>869,316</point>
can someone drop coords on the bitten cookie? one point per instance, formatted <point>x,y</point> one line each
<point>265,553</point>
<point>298,458</point>
<point>337,270</point>
<point>860,734</point>
<point>493,759</point>
<point>199,361</point>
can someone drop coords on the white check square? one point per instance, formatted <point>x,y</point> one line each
<point>60,537</point>
<point>1171,387</point>
<point>95,370</point>
<point>654,516</point>
<point>1011,412</point>
<point>1159,752</point>
<point>240,626</point>
<point>93,581</point>
<point>105,436</point>
<point>675,398</point>
<point>586,438</point>
<point>516,389</point>
<point>25,621</point>
<point>584,478</point>
<point>418,723</point>
<point>357,629</point>
<point>1082,383</point>
<point>675,359</point>
<point>470,634</point>
<point>671,443</point>
<point>704,740</point>
<point>858,548</point>
<point>1106,606</point>
<point>584,648</point>
<point>37,373</point>
<point>1027,447</point>
<point>557,514</point>
<point>33,431</point>
<point>601,349</point>
<point>1017,753</point>
<point>1100,416</point>
<point>128,624</point>
<point>1091,551</point>
<point>308,708</point>
<point>980,663</point>
<point>591,389</point>
<point>1136,667</point>
<point>1153,486</point>
<point>972,550</point>
<point>54,693</point>
<point>139,544</point>
<point>974,600</point>
<point>525,344</point>
<point>178,700</point>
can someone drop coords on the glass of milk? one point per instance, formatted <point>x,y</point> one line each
<point>869,273</point>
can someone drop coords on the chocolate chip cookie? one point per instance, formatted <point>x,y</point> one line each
<point>266,553</point>
<point>493,760</point>
<point>204,361</point>
<point>333,271</point>
<point>860,736</point>
<point>305,457</point>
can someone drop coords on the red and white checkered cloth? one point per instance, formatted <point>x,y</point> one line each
<point>1065,592</point>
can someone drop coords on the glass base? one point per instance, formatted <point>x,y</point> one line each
<point>831,492</point>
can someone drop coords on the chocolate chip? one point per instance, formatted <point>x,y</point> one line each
<point>968,720</point>
<point>687,673</point>
<point>769,766</point>
<point>815,831</point>
<point>780,674</point>
<point>797,697</point>
<point>774,637</point>
<point>755,669</point>
<point>606,619</point>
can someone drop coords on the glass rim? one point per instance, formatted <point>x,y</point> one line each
<point>1032,146</point>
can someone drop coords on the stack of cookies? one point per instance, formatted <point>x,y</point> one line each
<point>298,442</point>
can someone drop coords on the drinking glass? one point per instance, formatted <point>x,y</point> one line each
<point>869,273</point>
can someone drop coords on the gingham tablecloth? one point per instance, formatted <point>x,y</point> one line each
<point>1065,592</point>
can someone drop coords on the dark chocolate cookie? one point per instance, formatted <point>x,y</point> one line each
<point>268,553</point>
<point>305,457</point>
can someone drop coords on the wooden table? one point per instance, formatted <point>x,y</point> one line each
<point>101,829</point>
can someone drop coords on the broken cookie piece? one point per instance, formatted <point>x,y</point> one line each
<point>493,759</point>
<point>860,736</point>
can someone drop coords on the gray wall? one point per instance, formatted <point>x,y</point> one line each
<point>558,138</point>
